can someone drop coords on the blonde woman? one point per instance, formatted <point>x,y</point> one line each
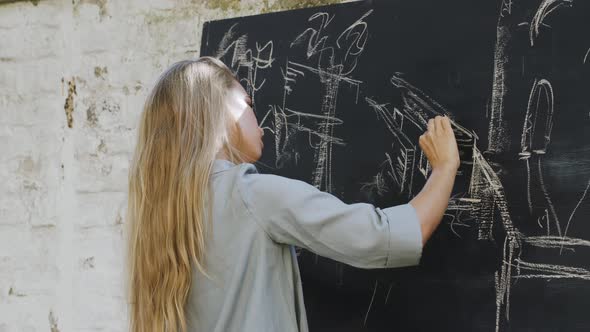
<point>211,240</point>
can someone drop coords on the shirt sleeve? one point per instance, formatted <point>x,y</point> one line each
<point>360,234</point>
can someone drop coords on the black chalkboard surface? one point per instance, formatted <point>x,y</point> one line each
<point>343,93</point>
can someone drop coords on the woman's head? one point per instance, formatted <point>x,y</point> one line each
<point>210,112</point>
<point>196,112</point>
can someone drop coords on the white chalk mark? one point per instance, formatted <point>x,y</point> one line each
<point>228,41</point>
<point>316,39</point>
<point>376,185</point>
<point>557,271</point>
<point>545,8</point>
<point>288,122</point>
<point>388,292</point>
<point>548,199</point>
<point>243,57</point>
<point>548,221</point>
<point>357,33</point>
<point>331,73</point>
<point>502,280</point>
<point>497,138</point>
<point>576,208</point>
<point>402,170</point>
<point>554,276</point>
<point>486,185</point>
<point>371,303</point>
<point>420,107</point>
<point>528,186</point>
<point>555,241</point>
<point>327,74</point>
<point>536,132</point>
<point>506,8</point>
<point>265,117</point>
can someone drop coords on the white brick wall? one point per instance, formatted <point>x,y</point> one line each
<point>63,190</point>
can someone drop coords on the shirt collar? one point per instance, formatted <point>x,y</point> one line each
<point>220,165</point>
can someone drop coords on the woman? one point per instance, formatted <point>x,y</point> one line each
<point>211,240</point>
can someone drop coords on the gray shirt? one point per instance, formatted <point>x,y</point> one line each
<point>254,280</point>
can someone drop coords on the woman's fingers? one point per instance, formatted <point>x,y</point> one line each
<point>431,126</point>
<point>439,123</point>
<point>447,124</point>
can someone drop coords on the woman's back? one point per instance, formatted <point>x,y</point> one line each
<point>253,279</point>
<point>257,218</point>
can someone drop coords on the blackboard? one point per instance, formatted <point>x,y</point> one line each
<point>344,91</point>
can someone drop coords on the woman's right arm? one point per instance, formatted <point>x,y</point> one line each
<point>359,234</point>
<point>440,147</point>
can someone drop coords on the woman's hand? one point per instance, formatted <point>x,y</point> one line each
<point>439,144</point>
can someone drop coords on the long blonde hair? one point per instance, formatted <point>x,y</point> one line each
<point>184,124</point>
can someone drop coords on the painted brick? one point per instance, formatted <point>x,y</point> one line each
<point>63,192</point>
